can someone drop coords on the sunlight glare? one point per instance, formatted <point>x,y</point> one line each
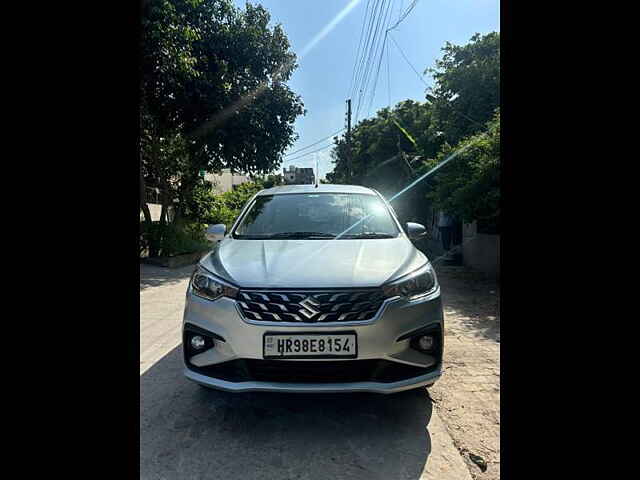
<point>330,26</point>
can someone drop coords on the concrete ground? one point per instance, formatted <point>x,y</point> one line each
<point>187,432</point>
<point>468,394</point>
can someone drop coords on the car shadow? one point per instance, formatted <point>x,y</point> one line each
<point>187,431</point>
<point>473,298</point>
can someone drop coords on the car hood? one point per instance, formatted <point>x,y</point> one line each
<point>313,263</point>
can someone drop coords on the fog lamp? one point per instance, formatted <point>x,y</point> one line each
<point>425,342</point>
<point>197,342</point>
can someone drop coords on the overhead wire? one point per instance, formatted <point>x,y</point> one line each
<point>388,80</point>
<point>377,74</point>
<point>368,58</point>
<point>404,15</point>
<point>308,153</point>
<point>313,144</point>
<point>353,75</point>
<point>373,56</point>
<point>371,47</point>
<point>370,61</point>
<point>360,62</point>
<point>425,83</point>
<point>407,60</point>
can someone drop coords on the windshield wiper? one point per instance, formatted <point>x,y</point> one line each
<point>369,235</point>
<point>301,235</point>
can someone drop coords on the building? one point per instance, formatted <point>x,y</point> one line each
<point>225,180</point>
<point>298,176</point>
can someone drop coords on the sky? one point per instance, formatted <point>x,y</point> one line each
<point>327,54</point>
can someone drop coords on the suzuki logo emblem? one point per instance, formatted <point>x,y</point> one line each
<point>307,308</point>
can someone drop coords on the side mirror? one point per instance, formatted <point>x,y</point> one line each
<point>415,231</point>
<point>215,233</point>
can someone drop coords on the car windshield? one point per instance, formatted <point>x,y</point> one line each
<point>317,216</point>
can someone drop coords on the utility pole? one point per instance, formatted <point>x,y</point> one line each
<point>349,139</point>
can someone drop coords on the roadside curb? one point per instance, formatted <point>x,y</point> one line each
<point>445,461</point>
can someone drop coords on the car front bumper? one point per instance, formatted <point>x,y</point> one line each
<point>386,338</point>
<point>347,387</point>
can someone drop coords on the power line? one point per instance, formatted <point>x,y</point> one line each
<point>374,49</point>
<point>359,64</point>
<point>311,145</point>
<point>407,60</point>
<point>353,75</point>
<point>426,84</point>
<point>368,56</point>
<point>400,9</point>
<point>309,153</point>
<point>375,83</point>
<point>371,49</point>
<point>388,80</point>
<point>373,53</point>
<point>413,4</point>
<point>384,44</point>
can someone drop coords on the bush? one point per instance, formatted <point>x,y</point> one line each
<point>228,205</point>
<point>173,239</point>
<point>197,207</point>
<point>469,186</point>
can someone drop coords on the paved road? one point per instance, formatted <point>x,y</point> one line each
<point>188,432</point>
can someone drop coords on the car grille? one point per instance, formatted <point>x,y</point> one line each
<point>340,371</point>
<point>310,306</point>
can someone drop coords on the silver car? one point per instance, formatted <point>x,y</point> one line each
<point>314,289</point>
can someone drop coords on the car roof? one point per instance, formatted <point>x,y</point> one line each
<point>321,188</point>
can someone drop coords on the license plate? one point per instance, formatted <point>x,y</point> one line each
<point>310,345</point>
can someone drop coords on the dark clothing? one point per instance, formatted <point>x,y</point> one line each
<point>446,234</point>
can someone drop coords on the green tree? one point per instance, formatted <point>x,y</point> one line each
<point>198,207</point>
<point>227,206</point>
<point>377,143</point>
<point>167,61</point>
<point>467,86</point>
<point>469,186</point>
<point>387,150</point>
<point>465,97</point>
<point>213,95</point>
<point>213,78</point>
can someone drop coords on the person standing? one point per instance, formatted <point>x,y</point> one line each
<point>445,225</point>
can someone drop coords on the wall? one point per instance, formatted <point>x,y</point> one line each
<point>480,251</point>
<point>224,181</point>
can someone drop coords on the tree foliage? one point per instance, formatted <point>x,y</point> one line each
<point>213,95</point>
<point>462,105</point>
<point>469,186</point>
<point>467,86</point>
<point>376,144</point>
<point>174,239</point>
<point>216,75</point>
<point>227,206</point>
<point>213,78</point>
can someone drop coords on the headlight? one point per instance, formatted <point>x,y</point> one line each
<point>206,285</point>
<point>413,285</point>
